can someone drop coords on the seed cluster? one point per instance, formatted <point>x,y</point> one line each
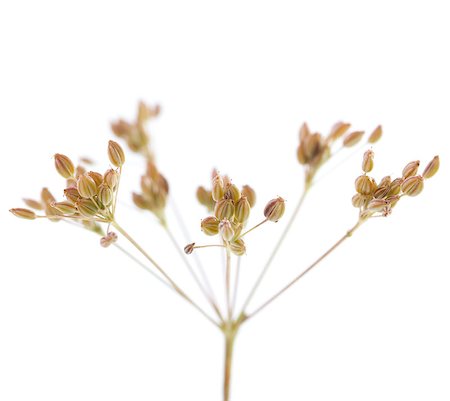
<point>90,195</point>
<point>231,210</point>
<point>155,190</point>
<point>314,149</point>
<point>135,133</point>
<point>378,199</point>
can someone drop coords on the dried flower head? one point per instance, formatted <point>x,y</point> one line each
<point>155,190</point>
<point>116,154</point>
<point>64,165</point>
<point>378,200</point>
<point>109,239</point>
<point>23,213</point>
<point>431,168</point>
<point>274,209</point>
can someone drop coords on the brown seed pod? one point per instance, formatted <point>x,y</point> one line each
<point>274,209</point>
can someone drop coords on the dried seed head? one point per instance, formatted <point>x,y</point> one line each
<point>140,201</point>
<point>337,131</point>
<point>412,186</point>
<point>312,146</point>
<point>237,227</point>
<point>71,182</point>
<point>66,208</point>
<point>375,135</point>
<point>226,230</point>
<point>367,163</point>
<point>381,192</point>
<point>111,178</point>
<point>232,192</point>
<point>218,190</point>
<point>72,194</point>
<point>301,157</point>
<point>80,170</point>
<point>210,225</point>
<point>394,187</point>
<point>274,209</point>
<point>385,181</point>
<point>242,212</point>
<point>359,200</point>
<point>237,247</point>
<point>250,194</point>
<point>34,204</point>
<point>353,138</point>
<point>431,168</point>
<point>204,197</point>
<point>304,132</point>
<point>393,200</point>
<point>87,207</point>
<point>365,185</point>
<point>47,197</point>
<point>97,177</point>
<point>411,169</point>
<point>189,248</point>
<point>377,205</point>
<point>105,194</point>
<point>108,239</point>
<point>86,186</point>
<point>116,154</point>
<point>23,213</point>
<point>224,209</point>
<point>64,165</point>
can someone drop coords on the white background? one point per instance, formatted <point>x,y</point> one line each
<point>235,81</point>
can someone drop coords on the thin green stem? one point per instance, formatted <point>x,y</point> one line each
<point>163,273</point>
<point>276,249</point>
<point>348,234</point>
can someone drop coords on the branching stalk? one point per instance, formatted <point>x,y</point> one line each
<point>276,249</point>
<point>193,274</point>
<point>297,278</point>
<point>168,278</point>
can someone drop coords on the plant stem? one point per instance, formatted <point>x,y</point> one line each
<point>236,282</point>
<point>297,278</point>
<point>230,332</point>
<point>192,272</point>
<point>228,282</point>
<point>166,276</point>
<point>276,249</point>
<point>251,229</point>
<point>187,236</point>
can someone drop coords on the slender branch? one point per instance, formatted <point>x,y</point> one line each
<point>209,246</point>
<point>187,237</point>
<point>276,249</point>
<point>146,268</point>
<point>236,282</point>
<point>117,192</point>
<point>297,278</point>
<point>228,282</point>
<point>166,276</point>
<point>251,229</point>
<point>192,272</point>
